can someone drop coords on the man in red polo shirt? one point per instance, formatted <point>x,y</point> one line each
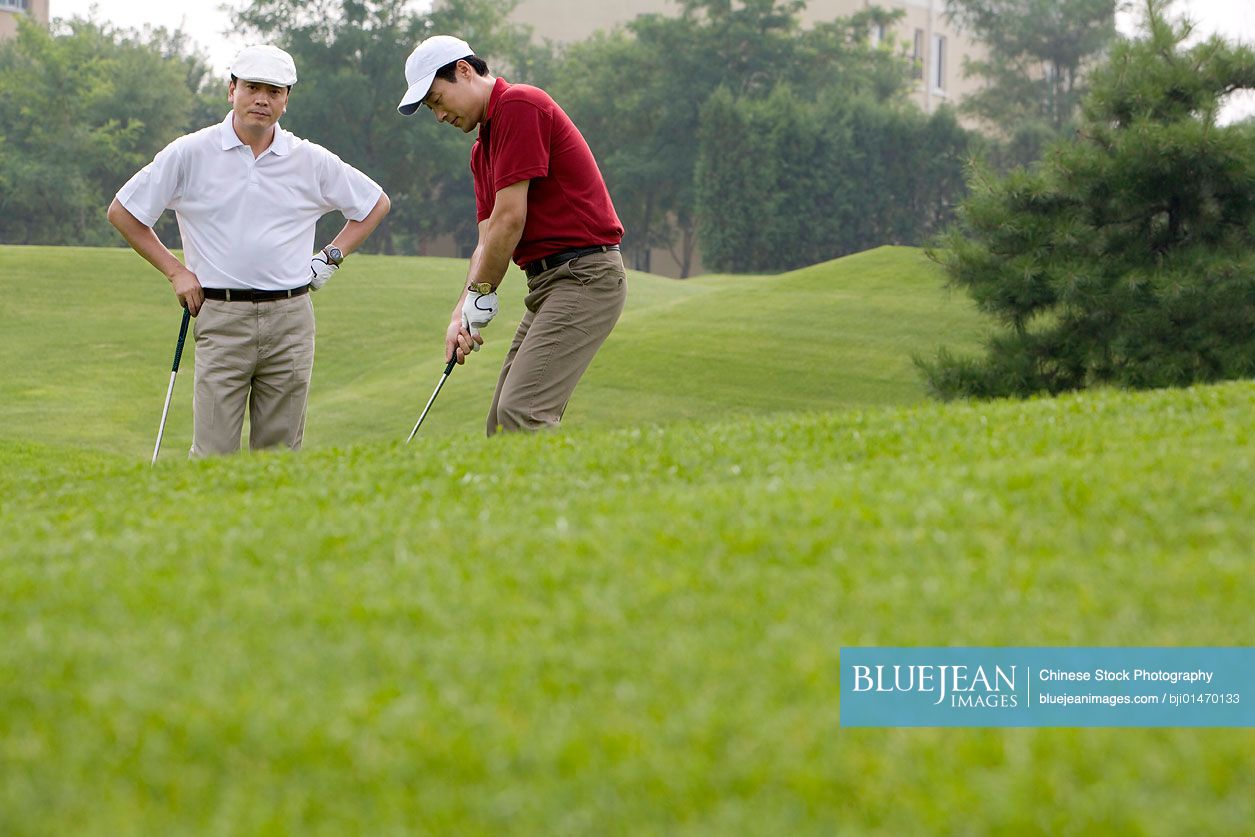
<point>541,200</point>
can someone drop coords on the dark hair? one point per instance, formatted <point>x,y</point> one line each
<point>449,71</point>
<point>235,80</point>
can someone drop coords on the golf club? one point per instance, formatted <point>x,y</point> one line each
<point>174,370</point>
<point>432,400</point>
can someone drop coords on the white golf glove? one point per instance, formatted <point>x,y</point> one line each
<point>478,311</point>
<point>320,270</point>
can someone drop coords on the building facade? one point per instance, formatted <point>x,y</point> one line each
<point>10,9</point>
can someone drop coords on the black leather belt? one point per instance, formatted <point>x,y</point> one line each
<point>239,295</point>
<point>558,259</point>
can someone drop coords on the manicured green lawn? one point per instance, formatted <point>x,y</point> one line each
<point>89,335</point>
<point>627,629</point>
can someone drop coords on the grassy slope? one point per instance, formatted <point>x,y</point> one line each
<point>89,333</point>
<point>617,631</point>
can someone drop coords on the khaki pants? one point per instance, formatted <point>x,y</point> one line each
<point>570,312</point>
<point>261,353</point>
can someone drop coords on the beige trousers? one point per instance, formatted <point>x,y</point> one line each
<point>255,353</point>
<point>570,312</point>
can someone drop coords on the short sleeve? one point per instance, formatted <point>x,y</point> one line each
<point>156,187</point>
<point>347,189</point>
<point>520,143</point>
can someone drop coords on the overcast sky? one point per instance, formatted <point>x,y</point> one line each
<point>211,27</point>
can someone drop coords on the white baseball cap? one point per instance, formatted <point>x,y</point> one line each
<point>421,66</point>
<point>265,63</point>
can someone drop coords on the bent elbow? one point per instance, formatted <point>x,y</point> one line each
<point>121,217</point>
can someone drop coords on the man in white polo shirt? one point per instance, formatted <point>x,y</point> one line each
<point>247,195</point>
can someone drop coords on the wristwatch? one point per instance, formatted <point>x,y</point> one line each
<point>334,255</point>
<point>480,288</point>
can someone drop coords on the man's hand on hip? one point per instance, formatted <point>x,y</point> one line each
<point>321,269</point>
<point>187,288</point>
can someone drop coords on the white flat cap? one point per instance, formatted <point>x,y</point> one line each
<point>265,63</point>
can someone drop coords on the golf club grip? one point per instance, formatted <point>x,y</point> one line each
<point>178,349</point>
<point>449,367</point>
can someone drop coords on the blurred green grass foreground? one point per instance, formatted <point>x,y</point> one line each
<point>626,627</point>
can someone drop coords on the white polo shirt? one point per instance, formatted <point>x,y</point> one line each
<point>247,222</point>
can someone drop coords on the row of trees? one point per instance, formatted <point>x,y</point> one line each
<point>775,145</point>
<point>786,181</point>
<point>79,113</point>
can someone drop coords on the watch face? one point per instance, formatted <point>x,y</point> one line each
<point>334,255</point>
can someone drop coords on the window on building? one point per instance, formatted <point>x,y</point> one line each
<point>18,5</point>
<point>877,34</point>
<point>939,62</point>
<point>917,55</point>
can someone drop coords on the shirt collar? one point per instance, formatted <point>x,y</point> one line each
<point>280,145</point>
<point>498,87</point>
<point>227,133</point>
<point>485,128</point>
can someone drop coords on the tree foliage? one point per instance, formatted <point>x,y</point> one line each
<point>80,112</point>
<point>786,181</point>
<point>1033,79</point>
<point>1125,257</point>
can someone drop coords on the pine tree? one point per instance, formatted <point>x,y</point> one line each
<point>1126,256</point>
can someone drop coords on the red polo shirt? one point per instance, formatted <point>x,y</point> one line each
<point>526,136</point>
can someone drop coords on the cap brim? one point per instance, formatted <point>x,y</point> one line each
<point>276,82</point>
<point>413,98</point>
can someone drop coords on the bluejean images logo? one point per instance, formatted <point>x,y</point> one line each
<point>1047,687</point>
<point>968,687</point>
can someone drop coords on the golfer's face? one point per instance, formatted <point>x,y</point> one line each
<point>454,103</point>
<point>257,104</point>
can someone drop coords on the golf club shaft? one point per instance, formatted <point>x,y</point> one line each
<point>448,369</point>
<point>174,371</point>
